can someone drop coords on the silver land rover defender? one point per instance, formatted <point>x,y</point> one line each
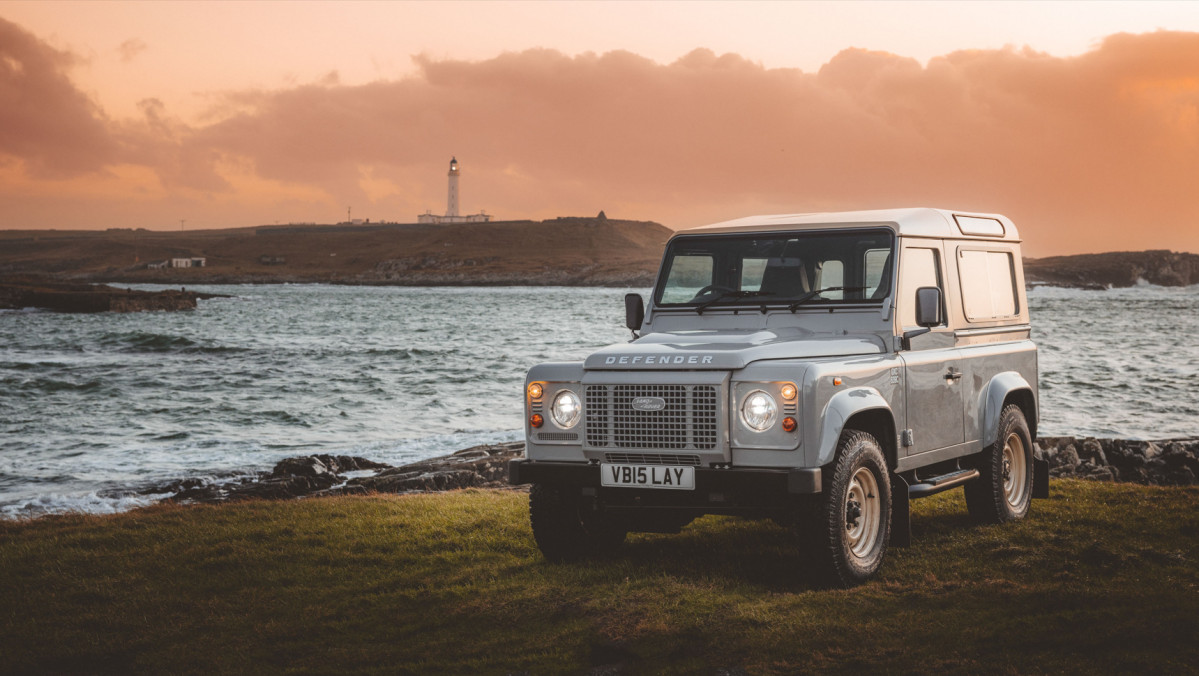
<point>817,369</point>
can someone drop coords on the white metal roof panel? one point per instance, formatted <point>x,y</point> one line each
<point>914,222</point>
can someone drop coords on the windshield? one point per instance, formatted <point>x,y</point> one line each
<point>788,269</point>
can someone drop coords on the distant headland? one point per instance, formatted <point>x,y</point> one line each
<point>1115,269</point>
<point>567,251</point>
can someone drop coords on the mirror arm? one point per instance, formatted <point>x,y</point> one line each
<point>909,335</point>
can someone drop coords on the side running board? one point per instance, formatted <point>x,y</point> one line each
<point>941,483</point>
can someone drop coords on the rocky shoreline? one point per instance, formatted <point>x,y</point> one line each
<point>323,475</point>
<point>1169,462</point>
<point>1172,462</point>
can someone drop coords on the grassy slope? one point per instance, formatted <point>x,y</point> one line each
<point>1101,578</point>
<point>517,247</point>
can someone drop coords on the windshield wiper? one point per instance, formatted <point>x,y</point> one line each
<point>812,294</point>
<point>728,295</point>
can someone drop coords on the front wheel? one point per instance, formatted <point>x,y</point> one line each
<point>1003,492</point>
<point>565,529</point>
<point>846,535</point>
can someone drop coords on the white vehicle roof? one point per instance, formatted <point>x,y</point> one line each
<point>915,222</point>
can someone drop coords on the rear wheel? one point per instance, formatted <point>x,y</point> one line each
<point>565,527</point>
<point>846,534</point>
<point>1003,492</point>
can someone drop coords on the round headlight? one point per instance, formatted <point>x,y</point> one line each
<point>758,411</point>
<point>566,409</point>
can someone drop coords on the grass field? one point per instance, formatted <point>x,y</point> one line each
<point>1101,578</point>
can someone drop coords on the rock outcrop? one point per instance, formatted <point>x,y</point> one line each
<point>1167,463</point>
<point>95,298</point>
<point>313,475</point>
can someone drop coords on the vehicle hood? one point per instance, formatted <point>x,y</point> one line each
<point>727,349</point>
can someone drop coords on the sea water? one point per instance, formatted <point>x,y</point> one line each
<point>96,407</point>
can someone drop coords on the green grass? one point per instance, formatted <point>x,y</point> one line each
<point>1101,577</point>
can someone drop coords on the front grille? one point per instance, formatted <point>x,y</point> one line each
<point>688,421</point>
<point>652,459</point>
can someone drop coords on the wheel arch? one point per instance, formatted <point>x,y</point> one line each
<point>1004,389</point>
<point>861,408</point>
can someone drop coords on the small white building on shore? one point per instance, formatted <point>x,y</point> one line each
<point>188,262</point>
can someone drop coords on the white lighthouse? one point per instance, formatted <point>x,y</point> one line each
<point>451,210</point>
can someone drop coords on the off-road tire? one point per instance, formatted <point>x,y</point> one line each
<point>840,547</point>
<point>565,529</point>
<point>1003,491</point>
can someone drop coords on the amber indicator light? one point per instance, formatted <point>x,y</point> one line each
<point>836,381</point>
<point>536,420</point>
<point>789,424</point>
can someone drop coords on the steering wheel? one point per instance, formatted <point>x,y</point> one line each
<point>710,288</point>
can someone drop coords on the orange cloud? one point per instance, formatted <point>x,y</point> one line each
<point>44,119</point>
<point>1094,152</point>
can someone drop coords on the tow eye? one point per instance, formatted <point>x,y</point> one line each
<point>853,511</point>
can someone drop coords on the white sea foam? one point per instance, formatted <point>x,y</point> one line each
<point>89,502</point>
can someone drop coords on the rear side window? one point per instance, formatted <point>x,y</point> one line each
<point>988,284</point>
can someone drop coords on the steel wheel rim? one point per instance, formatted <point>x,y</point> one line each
<point>1015,470</point>
<point>863,512</point>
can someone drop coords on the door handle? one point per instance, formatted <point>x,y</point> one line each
<point>953,374</point>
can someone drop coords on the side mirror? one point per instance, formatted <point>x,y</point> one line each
<point>928,313</point>
<point>928,307</point>
<point>634,311</point>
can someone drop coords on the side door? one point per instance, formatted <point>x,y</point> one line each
<point>993,323</point>
<point>933,365</point>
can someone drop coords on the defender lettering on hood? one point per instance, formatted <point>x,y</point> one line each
<point>724,352</point>
<point>661,360</point>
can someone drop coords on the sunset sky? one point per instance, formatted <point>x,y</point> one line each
<point>1078,120</point>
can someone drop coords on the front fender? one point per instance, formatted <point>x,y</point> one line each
<point>991,402</point>
<point>842,407</point>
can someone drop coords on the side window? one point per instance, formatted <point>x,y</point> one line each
<point>918,267</point>
<point>751,273</point>
<point>988,284</point>
<point>875,262</point>
<point>687,276</point>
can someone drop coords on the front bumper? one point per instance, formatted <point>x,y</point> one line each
<point>713,487</point>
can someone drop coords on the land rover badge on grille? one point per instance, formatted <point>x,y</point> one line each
<point>648,404</point>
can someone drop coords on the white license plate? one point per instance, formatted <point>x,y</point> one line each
<point>647,476</point>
